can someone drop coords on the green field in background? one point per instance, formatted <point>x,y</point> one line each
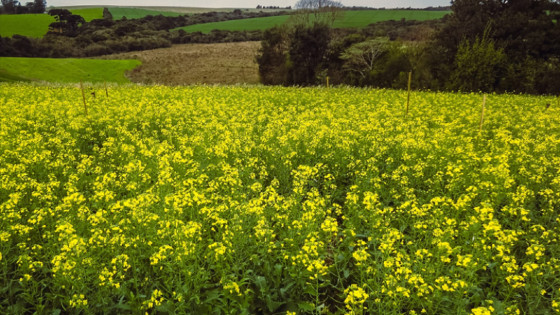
<point>64,70</point>
<point>136,13</point>
<point>348,19</point>
<point>30,25</point>
<point>37,25</point>
<point>89,13</point>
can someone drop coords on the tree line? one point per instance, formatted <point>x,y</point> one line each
<point>15,7</point>
<point>488,46</point>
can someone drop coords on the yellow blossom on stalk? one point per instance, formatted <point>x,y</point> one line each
<point>516,281</point>
<point>329,225</point>
<point>218,248</point>
<point>482,310</point>
<point>78,301</point>
<point>233,288</point>
<point>155,300</point>
<point>360,254</point>
<point>529,267</point>
<point>464,261</point>
<point>355,298</point>
<point>162,254</point>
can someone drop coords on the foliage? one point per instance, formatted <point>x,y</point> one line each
<point>107,14</point>
<point>293,56</point>
<point>66,22</point>
<point>524,31</point>
<point>272,56</point>
<point>479,65</point>
<point>15,7</point>
<point>317,11</point>
<point>308,46</point>
<point>362,57</point>
<point>269,200</point>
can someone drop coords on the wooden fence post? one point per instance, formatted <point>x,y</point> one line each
<point>327,81</point>
<point>482,113</point>
<point>83,96</point>
<point>106,92</point>
<point>408,97</point>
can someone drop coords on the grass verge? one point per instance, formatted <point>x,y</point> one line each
<point>64,70</point>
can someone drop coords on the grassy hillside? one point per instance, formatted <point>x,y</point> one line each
<point>136,13</point>
<point>37,25</point>
<point>349,19</point>
<point>252,24</point>
<point>30,25</point>
<point>64,70</point>
<point>89,13</point>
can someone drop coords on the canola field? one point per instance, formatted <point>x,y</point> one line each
<point>277,200</point>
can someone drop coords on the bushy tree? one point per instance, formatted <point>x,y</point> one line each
<point>308,46</point>
<point>525,31</point>
<point>479,65</point>
<point>377,62</point>
<point>317,11</point>
<point>107,14</point>
<point>272,56</point>
<point>361,58</point>
<point>9,6</point>
<point>66,22</point>
<point>39,6</point>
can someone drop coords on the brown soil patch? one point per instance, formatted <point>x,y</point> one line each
<point>225,63</point>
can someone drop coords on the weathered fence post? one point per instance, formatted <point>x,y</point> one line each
<point>408,97</point>
<point>482,113</point>
<point>83,96</point>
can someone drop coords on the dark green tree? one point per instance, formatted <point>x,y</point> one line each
<point>479,65</point>
<point>526,31</point>
<point>39,6</point>
<point>66,22</point>
<point>308,47</point>
<point>107,14</point>
<point>9,6</point>
<point>272,56</point>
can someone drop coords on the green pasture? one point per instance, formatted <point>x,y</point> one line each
<point>64,70</point>
<point>29,25</point>
<point>89,13</point>
<point>349,19</point>
<point>37,25</point>
<point>251,24</point>
<point>137,13</point>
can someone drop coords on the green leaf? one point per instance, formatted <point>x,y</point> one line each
<point>273,305</point>
<point>306,306</point>
<point>261,283</point>
<point>124,307</point>
<point>286,289</point>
